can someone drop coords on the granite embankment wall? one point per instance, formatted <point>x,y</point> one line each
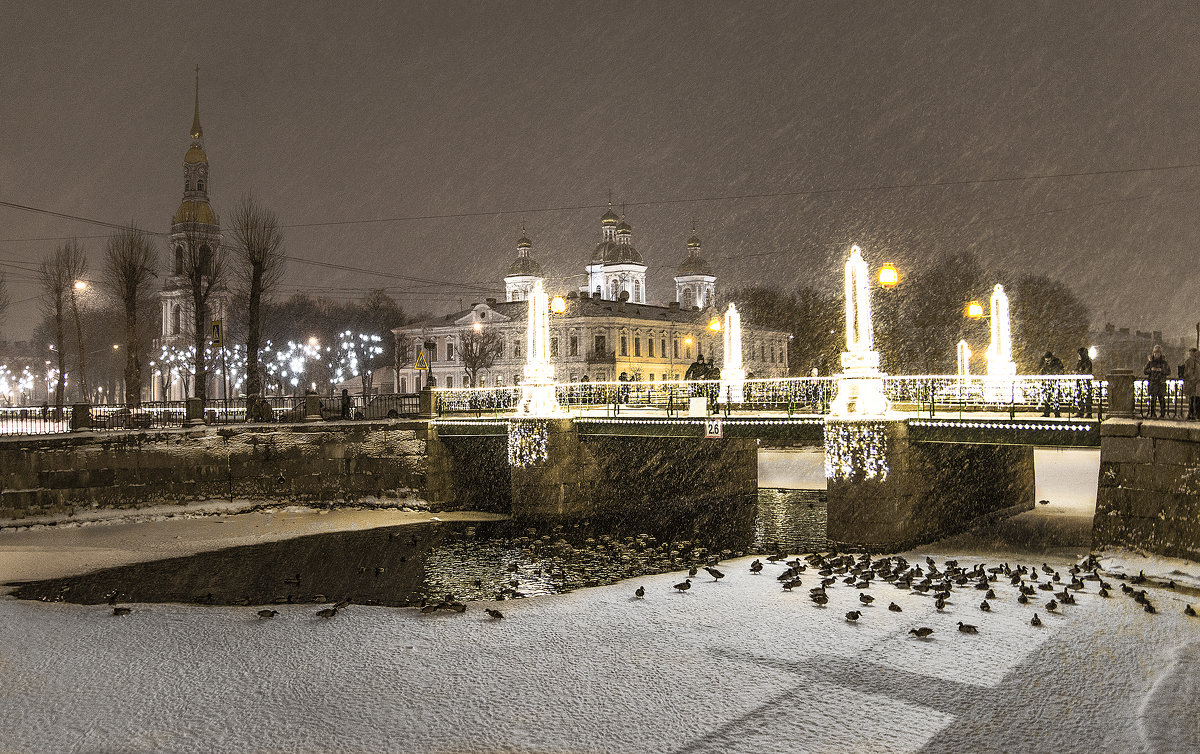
<point>1149,492</point>
<point>60,475</point>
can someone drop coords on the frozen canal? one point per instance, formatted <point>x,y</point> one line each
<point>736,665</point>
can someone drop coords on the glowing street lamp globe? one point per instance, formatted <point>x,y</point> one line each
<point>714,324</point>
<point>975,310</point>
<point>888,276</point>
<point>558,305</point>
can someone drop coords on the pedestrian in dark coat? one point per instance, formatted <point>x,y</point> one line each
<point>345,403</point>
<point>1157,372</point>
<point>1191,382</point>
<point>1084,366</point>
<point>1050,365</point>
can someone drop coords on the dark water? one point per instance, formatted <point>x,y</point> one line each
<point>412,564</point>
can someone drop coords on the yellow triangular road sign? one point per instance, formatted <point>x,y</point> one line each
<point>421,362</point>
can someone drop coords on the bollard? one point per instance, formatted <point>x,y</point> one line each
<point>193,415</point>
<point>81,416</point>
<point>1120,394</point>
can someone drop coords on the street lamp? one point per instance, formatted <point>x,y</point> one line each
<point>714,324</point>
<point>80,285</point>
<point>888,276</point>
<point>558,305</point>
<point>975,310</point>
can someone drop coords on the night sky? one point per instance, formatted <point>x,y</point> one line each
<point>345,112</point>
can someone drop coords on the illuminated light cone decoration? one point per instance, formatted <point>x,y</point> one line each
<point>733,376</point>
<point>537,389</point>
<point>964,361</point>
<point>860,385</point>
<point>1002,370</point>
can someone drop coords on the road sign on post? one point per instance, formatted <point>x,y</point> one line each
<point>217,334</point>
<point>422,364</point>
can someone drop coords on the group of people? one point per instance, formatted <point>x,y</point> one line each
<point>1158,371</point>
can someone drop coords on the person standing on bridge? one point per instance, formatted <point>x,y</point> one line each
<point>1157,372</point>
<point>1084,366</point>
<point>1050,364</point>
<point>1191,382</point>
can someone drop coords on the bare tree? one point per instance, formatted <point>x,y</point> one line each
<point>57,284</point>
<point>202,267</point>
<point>129,266</point>
<point>258,249</point>
<point>479,348</point>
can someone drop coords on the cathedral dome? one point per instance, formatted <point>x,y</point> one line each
<point>624,253</point>
<point>195,155</point>
<point>624,228</point>
<point>603,252</point>
<point>191,211</point>
<point>525,266</point>
<point>609,218</point>
<point>524,243</point>
<point>693,242</point>
<point>694,265</point>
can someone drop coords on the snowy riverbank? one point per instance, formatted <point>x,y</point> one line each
<point>734,666</point>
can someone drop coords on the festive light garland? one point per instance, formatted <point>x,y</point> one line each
<point>528,442</point>
<point>856,450</point>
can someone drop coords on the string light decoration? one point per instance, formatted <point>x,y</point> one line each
<point>528,442</point>
<point>856,450</point>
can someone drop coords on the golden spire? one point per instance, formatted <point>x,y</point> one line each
<point>197,131</point>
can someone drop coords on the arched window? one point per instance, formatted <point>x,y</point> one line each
<point>187,185</point>
<point>637,291</point>
<point>689,298</point>
<point>599,291</point>
<point>199,185</point>
<point>613,289</point>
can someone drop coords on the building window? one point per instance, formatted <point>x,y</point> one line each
<point>612,290</point>
<point>449,351</point>
<point>662,352</point>
<point>404,384</point>
<point>624,346</point>
<point>431,351</point>
<point>199,185</point>
<point>772,353</point>
<point>601,346</point>
<point>449,380</point>
<point>599,291</point>
<point>637,346</point>
<point>573,345</point>
<point>651,375</point>
<point>637,291</point>
<point>553,347</point>
<point>687,351</point>
<point>689,299</point>
<point>178,260</point>
<point>516,349</point>
<point>675,344</point>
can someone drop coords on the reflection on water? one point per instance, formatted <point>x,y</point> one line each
<point>412,564</point>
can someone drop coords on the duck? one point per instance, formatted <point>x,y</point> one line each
<point>328,612</point>
<point>866,599</point>
<point>122,610</point>
<point>985,607</point>
<point>684,585</point>
<point>756,566</point>
<point>921,632</point>
<point>1189,611</point>
<point>894,607</point>
<point>1035,620</point>
<point>1149,608</point>
<point>640,592</point>
<point>1022,599</point>
<point>967,628</point>
<point>692,572</point>
<point>430,608</point>
<point>1103,592</point>
<point>820,599</point>
<point>717,575</point>
<point>991,595</point>
<point>790,585</point>
<point>940,604</point>
<point>1051,606</point>
<point>494,614</point>
<point>853,615</point>
<point>267,613</point>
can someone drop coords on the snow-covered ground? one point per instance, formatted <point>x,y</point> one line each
<point>733,666</point>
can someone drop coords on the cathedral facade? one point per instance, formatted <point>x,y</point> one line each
<point>606,331</point>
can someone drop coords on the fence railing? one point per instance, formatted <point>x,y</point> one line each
<point>40,420</point>
<point>1170,402</point>
<point>1055,395</point>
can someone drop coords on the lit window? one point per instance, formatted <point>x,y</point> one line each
<point>624,346</point>
<point>573,345</point>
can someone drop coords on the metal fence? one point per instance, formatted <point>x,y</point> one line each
<point>1170,403</point>
<point>41,420</point>
<point>1064,396</point>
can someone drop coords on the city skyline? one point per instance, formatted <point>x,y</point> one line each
<point>481,121</point>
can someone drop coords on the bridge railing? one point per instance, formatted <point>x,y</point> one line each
<point>922,394</point>
<point>1174,403</point>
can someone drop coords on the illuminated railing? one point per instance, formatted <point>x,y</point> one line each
<point>1174,403</point>
<point>923,394</point>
